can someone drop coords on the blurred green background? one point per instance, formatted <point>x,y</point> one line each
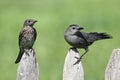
<point>53,17</point>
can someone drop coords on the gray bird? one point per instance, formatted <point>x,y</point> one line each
<point>27,37</point>
<point>78,39</point>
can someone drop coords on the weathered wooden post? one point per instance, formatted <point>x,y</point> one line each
<point>113,68</point>
<point>28,66</point>
<point>71,71</point>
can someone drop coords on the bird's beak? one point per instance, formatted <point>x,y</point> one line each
<point>35,21</point>
<point>80,28</point>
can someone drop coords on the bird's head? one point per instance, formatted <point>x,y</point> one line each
<point>74,28</point>
<point>29,22</point>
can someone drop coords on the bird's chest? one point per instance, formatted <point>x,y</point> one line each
<point>75,41</point>
<point>28,34</point>
<point>28,37</point>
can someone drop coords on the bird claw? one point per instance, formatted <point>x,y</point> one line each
<point>26,51</point>
<point>77,57</point>
<point>78,60</point>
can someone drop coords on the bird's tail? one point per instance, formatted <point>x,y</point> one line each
<point>19,56</point>
<point>100,36</point>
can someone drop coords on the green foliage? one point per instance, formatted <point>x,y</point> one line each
<point>53,17</point>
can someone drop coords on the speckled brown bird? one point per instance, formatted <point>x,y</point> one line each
<point>27,37</point>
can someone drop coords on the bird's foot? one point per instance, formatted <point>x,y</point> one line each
<point>26,52</point>
<point>74,49</point>
<point>78,60</point>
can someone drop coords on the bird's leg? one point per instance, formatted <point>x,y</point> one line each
<point>79,59</point>
<point>86,50</point>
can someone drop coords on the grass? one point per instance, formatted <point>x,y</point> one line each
<point>53,17</point>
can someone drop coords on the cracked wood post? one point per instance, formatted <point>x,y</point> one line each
<point>28,66</point>
<point>113,68</point>
<point>70,71</point>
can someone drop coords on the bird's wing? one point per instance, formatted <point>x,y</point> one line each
<point>20,37</point>
<point>35,34</point>
<point>83,36</point>
<point>92,36</point>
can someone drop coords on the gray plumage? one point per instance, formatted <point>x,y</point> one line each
<point>27,37</point>
<point>78,39</point>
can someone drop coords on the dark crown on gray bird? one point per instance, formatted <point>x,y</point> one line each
<point>78,39</point>
<point>27,37</point>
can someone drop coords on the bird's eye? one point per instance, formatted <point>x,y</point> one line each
<point>29,21</point>
<point>73,28</point>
